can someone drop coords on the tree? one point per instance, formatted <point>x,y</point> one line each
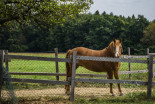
<point>149,36</point>
<point>86,30</point>
<point>16,41</point>
<point>97,13</point>
<point>40,11</point>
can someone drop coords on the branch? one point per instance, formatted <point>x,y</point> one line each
<point>2,21</point>
<point>17,2</point>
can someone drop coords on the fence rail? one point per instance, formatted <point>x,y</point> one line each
<point>110,59</point>
<point>111,81</point>
<point>135,56</point>
<point>63,74</point>
<point>55,74</point>
<point>36,58</point>
<point>37,81</point>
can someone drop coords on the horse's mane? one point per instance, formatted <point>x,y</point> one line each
<point>109,45</point>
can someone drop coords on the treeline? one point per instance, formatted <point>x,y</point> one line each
<point>93,31</point>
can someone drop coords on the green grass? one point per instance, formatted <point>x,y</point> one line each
<point>49,66</point>
<point>131,98</point>
<point>17,65</point>
<point>46,66</point>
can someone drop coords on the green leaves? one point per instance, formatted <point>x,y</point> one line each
<point>41,30</point>
<point>40,11</point>
<point>149,36</point>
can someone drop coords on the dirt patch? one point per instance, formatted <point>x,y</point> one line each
<point>58,96</point>
<point>92,91</point>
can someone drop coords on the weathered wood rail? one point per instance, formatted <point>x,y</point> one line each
<point>82,75</point>
<point>110,59</point>
<point>90,80</point>
<point>38,81</point>
<point>36,58</point>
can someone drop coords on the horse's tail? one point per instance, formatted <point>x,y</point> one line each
<point>67,64</point>
<point>67,87</point>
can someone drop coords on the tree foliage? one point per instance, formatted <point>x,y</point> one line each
<point>93,31</point>
<point>149,36</point>
<point>41,12</point>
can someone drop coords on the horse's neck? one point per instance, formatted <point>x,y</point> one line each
<point>109,52</point>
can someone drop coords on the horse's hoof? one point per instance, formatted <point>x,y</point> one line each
<point>113,95</point>
<point>67,93</point>
<point>121,94</point>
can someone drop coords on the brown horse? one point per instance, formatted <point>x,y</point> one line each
<point>113,50</point>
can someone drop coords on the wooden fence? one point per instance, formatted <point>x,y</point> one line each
<point>73,80</point>
<point>149,83</point>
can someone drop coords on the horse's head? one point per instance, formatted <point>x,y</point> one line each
<point>116,47</point>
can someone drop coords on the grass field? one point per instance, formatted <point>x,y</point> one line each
<point>46,66</point>
<point>17,65</point>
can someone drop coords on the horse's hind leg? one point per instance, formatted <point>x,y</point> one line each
<point>119,86</point>
<point>110,75</point>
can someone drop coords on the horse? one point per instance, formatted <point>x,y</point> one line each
<point>113,50</point>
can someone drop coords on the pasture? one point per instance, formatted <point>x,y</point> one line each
<point>132,92</point>
<point>17,65</point>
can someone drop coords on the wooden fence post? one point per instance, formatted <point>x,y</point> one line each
<point>6,60</point>
<point>73,76</point>
<point>148,51</point>
<point>56,63</point>
<point>150,76</point>
<point>129,62</point>
<point>1,70</point>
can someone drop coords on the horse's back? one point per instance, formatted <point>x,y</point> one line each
<point>91,65</point>
<point>82,51</point>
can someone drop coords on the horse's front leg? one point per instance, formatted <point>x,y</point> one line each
<point>110,75</point>
<point>119,86</point>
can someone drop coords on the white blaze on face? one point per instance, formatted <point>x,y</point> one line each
<point>117,52</point>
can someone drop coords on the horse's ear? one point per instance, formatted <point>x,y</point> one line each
<point>122,49</point>
<point>120,40</point>
<point>114,40</point>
